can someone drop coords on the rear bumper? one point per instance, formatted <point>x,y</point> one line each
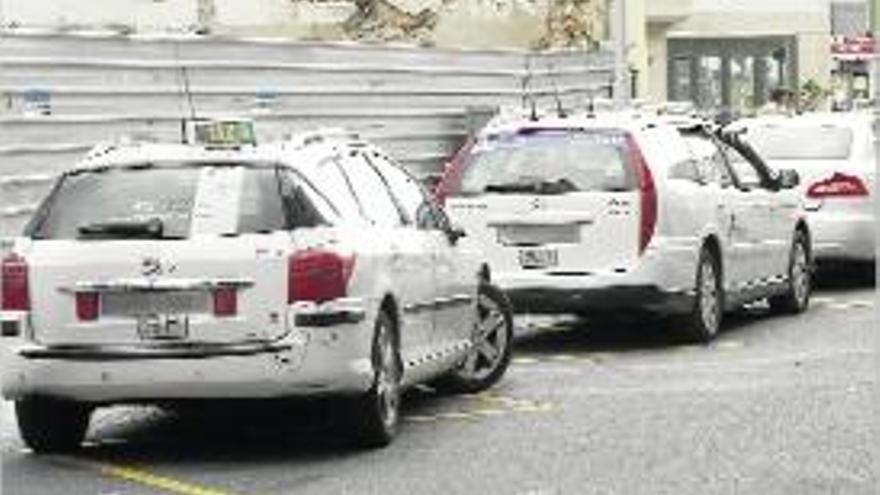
<point>327,360</point>
<point>607,299</point>
<point>843,236</point>
<point>661,282</point>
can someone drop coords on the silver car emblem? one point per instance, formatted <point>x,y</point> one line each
<point>151,267</point>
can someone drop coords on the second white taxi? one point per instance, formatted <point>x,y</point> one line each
<point>625,213</point>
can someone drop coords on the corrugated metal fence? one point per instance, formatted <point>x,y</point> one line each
<point>60,94</point>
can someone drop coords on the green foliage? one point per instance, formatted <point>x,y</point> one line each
<point>813,96</point>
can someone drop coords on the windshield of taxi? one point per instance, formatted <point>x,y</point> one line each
<point>801,142</point>
<point>549,162</point>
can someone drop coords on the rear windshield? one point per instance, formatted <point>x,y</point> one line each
<point>168,202</point>
<point>820,142</point>
<point>549,162</point>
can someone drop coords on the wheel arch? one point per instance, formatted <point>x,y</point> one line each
<point>801,227</point>
<point>390,305</point>
<point>484,274</point>
<point>712,244</point>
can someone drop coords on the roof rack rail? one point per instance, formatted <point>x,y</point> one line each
<point>104,148</point>
<point>320,135</point>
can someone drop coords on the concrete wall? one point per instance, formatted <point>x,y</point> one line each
<point>60,94</point>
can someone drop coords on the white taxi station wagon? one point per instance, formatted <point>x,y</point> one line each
<point>628,213</point>
<point>223,269</point>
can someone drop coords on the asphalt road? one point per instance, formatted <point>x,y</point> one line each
<point>777,405</point>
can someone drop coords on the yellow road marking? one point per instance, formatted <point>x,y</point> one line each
<point>524,360</point>
<point>145,478</point>
<point>489,405</point>
<point>729,345</point>
<point>162,483</point>
<point>840,306</point>
<point>490,412</point>
<point>455,415</point>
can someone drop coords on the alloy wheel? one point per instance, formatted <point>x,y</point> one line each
<point>709,298</point>
<point>387,376</point>
<point>800,276</point>
<point>490,340</point>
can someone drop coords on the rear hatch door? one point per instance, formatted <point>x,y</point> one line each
<point>154,255</point>
<point>553,201</point>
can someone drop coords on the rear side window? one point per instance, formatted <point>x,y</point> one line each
<point>711,166</point>
<point>819,142</point>
<point>302,206</point>
<point>339,190</point>
<point>550,162</point>
<point>411,197</point>
<point>372,192</point>
<point>746,173</point>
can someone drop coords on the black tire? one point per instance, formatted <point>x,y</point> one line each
<point>377,413</point>
<point>51,426</point>
<point>703,322</point>
<point>489,357</point>
<point>796,298</point>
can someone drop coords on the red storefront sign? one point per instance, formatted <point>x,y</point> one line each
<point>853,47</point>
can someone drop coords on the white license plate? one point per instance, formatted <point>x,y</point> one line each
<point>163,327</point>
<point>538,258</point>
<point>159,303</point>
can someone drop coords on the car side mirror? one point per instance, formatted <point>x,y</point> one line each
<point>788,179</point>
<point>455,234</point>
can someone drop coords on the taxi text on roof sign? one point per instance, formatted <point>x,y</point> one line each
<point>223,133</point>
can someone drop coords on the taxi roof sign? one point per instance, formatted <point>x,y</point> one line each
<point>220,133</point>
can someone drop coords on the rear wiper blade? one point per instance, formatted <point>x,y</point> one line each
<point>513,187</point>
<point>150,229</point>
<point>559,186</point>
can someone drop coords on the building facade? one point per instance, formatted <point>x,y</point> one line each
<point>732,54</point>
<point>852,49</point>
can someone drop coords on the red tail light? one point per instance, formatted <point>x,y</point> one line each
<point>88,305</point>
<point>452,173</point>
<point>838,186</point>
<point>647,194</point>
<point>225,301</point>
<point>15,290</point>
<point>318,276</point>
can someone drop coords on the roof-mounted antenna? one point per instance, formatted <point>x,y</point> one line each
<point>591,104</point>
<point>551,72</point>
<point>184,74</point>
<point>185,87</point>
<point>528,97</point>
